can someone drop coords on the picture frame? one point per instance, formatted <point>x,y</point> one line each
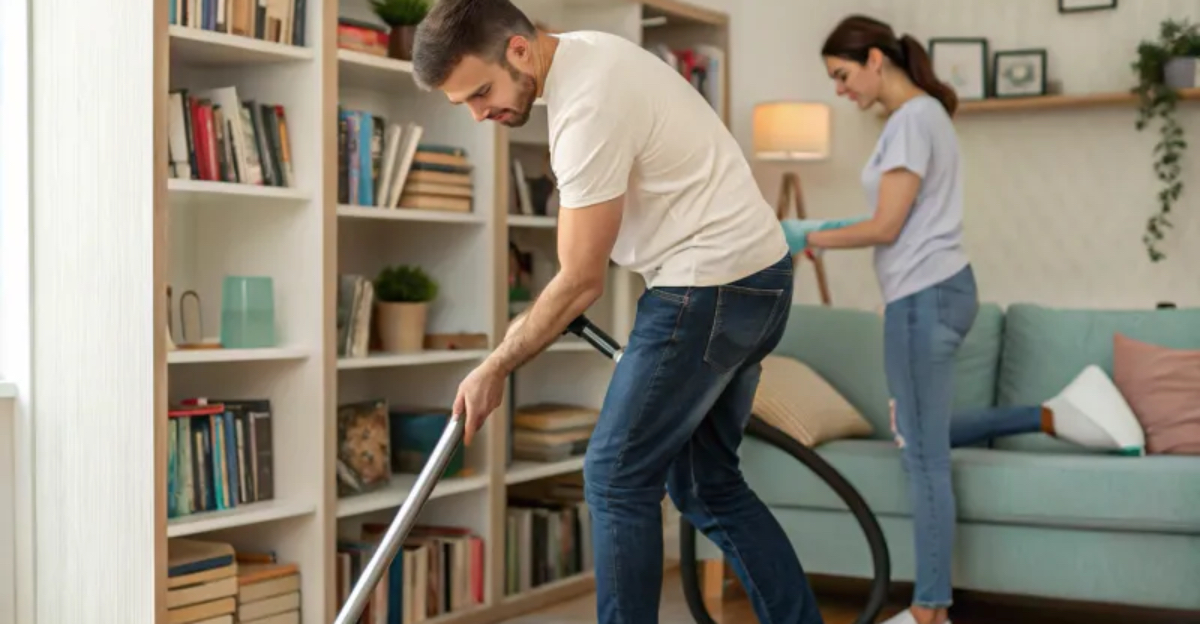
<point>1085,6</point>
<point>962,63</point>
<point>1019,73</point>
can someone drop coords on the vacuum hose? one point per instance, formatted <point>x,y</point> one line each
<point>760,430</point>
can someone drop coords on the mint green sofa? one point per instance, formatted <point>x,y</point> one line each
<point>1037,516</point>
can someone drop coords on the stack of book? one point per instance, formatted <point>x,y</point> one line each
<point>549,432</point>
<point>268,591</point>
<point>440,180</point>
<point>202,582</point>
<point>208,582</point>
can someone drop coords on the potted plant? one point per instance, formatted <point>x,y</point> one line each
<point>402,16</point>
<point>1159,76</point>
<point>402,296</point>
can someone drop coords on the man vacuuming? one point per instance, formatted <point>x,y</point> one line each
<point>650,177</point>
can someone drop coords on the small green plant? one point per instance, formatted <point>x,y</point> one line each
<point>397,13</point>
<point>405,284</point>
<point>1156,99</point>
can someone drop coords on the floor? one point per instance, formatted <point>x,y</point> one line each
<point>844,611</point>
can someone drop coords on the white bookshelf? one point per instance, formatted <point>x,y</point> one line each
<point>303,239</point>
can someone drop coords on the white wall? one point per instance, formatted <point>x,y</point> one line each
<point>1056,201</point>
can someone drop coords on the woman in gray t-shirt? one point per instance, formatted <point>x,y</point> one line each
<point>913,183</point>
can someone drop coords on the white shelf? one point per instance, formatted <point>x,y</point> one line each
<point>389,360</point>
<point>243,515</point>
<point>394,494</point>
<point>8,390</point>
<point>408,214</point>
<point>359,70</point>
<point>532,221</point>
<point>202,356</point>
<point>179,187</point>
<point>523,471</point>
<point>205,47</point>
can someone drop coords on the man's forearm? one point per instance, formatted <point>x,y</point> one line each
<point>538,327</point>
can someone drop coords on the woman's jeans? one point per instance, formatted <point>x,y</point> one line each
<point>922,334</point>
<point>673,417</point>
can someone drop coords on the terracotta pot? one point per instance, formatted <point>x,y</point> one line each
<point>401,326</point>
<point>400,42</point>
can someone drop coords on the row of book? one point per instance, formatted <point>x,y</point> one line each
<point>384,164</point>
<point>209,582</point>
<point>219,455</point>
<point>439,571</point>
<point>277,21</point>
<point>548,534</point>
<point>214,135</point>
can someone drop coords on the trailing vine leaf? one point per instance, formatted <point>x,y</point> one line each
<point>1157,101</point>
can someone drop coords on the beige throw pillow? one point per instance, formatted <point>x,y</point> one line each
<point>796,400</point>
<point>1162,386</point>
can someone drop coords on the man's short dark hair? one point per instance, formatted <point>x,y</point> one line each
<point>454,29</point>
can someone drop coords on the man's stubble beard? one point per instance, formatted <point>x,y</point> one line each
<point>526,86</point>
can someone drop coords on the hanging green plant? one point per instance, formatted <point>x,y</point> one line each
<point>1157,99</point>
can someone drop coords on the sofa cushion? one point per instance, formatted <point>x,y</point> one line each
<point>794,399</point>
<point>1162,385</point>
<point>845,347</point>
<point>1151,493</point>
<point>1045,348</point>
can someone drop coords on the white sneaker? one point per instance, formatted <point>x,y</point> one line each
<point>1091,412</point>
<point>905,617</point>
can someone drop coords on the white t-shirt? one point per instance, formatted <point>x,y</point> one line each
<point>622,121</point>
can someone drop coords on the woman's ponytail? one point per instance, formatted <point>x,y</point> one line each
<point>920,71</point>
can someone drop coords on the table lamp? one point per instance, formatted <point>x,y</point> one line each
<point>793,132</point>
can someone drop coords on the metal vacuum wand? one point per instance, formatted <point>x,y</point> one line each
<point>606,344</point>
<point>403,523</point>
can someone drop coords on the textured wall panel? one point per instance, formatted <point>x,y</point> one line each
<point>1056,201</point>
<point>98,353</point>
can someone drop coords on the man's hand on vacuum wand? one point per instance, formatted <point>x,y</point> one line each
<point>585,241</point>
<point>481,392</point>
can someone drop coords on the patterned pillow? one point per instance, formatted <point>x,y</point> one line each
<point>1162,386</point>
<point>794,399</point>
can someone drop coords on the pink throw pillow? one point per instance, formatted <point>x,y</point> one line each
<point>1162,386</point>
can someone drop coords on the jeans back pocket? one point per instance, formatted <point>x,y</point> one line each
<point>743,317</point>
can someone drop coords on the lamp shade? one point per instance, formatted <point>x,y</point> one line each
<point>791,131</point>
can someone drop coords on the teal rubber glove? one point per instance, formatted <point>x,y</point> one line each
<point>797,230</point>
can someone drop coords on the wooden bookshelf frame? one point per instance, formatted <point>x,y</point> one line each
<point>303,237</point>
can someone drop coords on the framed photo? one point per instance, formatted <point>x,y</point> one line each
<point>1081,6</point>
<point>1019,73</point>
<point>961,62</point>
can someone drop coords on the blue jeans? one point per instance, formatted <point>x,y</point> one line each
<point>922,334</point>
<point>673,418</point>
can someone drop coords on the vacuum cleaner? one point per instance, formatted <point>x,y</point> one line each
<point>452,436</point>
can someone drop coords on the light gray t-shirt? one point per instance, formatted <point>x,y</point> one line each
<point>920,137</point>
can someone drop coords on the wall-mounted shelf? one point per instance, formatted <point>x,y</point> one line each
<point>1046,102</point>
